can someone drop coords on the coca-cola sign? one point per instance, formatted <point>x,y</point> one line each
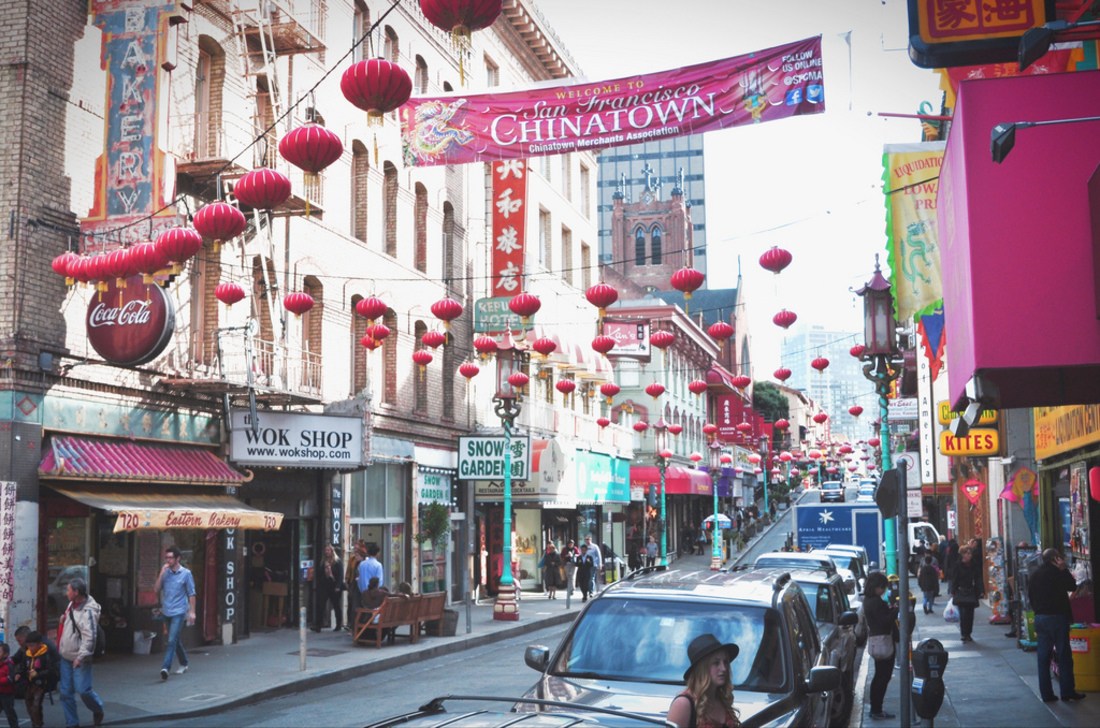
<point>130,325</point>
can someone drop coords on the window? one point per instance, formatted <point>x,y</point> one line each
<point>389,359</point>
<point>545,235</point>
<point>449,371</point>
<point>585,191</point>
<point>421,228</point>
<point>420,82</point>
<point>390,50</point>
<point>586,266</point>
<point>360,173</point>
<point>567,176</point>
<point>492,73</point>
<point>206,271</point>
<point>655,246</point>
<point>449,271</point>
<point>639,247</point>
<point>420,379</point>
<point>389,207</point>
<point>359,353</point>
<point>312,325</point>
<point>359,28</point>
<point>377,493</point>
<point>209,79</point>
<point>567,255</point>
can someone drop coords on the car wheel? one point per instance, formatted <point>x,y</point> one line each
<point>842,701</point>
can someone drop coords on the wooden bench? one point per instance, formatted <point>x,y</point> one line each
<point>395,612</point>
<point>430,616</point>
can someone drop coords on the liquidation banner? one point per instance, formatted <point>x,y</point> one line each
<point>771,84</point>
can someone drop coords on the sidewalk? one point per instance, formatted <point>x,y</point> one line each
<point>989,682</point>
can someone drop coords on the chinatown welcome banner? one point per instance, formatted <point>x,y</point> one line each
<point>775,83</point>
<point>911,175</point>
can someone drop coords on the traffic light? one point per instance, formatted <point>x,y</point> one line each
<point>652,496</point>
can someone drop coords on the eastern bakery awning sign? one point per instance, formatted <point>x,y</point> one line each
<point>774,83</point>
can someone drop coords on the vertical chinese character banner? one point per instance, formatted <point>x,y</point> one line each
<point>509,230</point>
<point>7,546</point>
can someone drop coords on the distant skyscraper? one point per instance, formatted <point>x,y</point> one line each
<point>839,386</point>
<point>654,163</point>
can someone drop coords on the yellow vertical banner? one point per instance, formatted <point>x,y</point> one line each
<point>911,181</point>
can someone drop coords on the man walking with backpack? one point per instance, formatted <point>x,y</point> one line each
<point>76,642</point>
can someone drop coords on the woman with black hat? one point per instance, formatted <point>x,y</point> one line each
<point>707,702</point>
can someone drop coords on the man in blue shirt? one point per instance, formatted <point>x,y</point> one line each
<point>176,587</point>
<point>370,567</point>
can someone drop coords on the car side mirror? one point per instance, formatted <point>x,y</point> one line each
<point>849,618</point>
<point>823,679</point>
<point>537,657</point>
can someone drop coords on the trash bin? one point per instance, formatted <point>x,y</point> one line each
<point>1084,642</point>
<point>143,642</point>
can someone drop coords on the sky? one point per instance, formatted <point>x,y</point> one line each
<point>811,185</point>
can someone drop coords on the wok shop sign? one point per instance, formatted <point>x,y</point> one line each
<point>296,440</point>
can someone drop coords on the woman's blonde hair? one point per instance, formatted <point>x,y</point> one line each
<point>699,685</point>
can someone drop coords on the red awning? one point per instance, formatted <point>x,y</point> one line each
<point>717,376</point>
<point>86,458</point>
<point>678,480</point>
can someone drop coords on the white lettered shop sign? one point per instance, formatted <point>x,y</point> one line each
<point>296,440</point>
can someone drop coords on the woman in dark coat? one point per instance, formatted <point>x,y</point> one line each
<point>967,589</point>
<point>330,582</point>
<point>552,571</point>
<point>881,620</point>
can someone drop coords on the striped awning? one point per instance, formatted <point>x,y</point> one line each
<point>88,458</point>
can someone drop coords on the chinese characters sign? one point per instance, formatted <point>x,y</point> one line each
<point>957,20</point>
<point>509,231</point>
<point>7,542</point>
<point>774,83</point>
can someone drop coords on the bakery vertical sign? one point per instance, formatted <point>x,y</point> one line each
<point>509,230</point>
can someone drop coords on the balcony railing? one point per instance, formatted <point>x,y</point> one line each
<point>271,365</point>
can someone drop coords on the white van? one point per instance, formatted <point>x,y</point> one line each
<point>920,532</point>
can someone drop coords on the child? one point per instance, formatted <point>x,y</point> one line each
<point>7,686</point>
<point>928,578</point>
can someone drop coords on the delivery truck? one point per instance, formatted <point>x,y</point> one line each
<point>819,524</point>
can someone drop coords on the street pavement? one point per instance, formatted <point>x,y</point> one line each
<point>989,682</point>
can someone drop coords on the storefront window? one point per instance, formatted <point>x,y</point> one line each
<point>67,559</point>
<point>528,531</point>
<point>378,515</point>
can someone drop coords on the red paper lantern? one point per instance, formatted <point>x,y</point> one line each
<point>371,308</point>
<point>857,350</point>
<point>781,424</point>
<point>710,428</point>
<point>775,259</point>
<point>485,345</point>
<point>62,266</point>
<point>80,269</point>
<point>820,363</point>
<point>665,453</point>
<point>565,386</point>
<point>655,390</point>
<point>311,147</point>
<point>675,429</point>
<point>369,342</point>
<point>433,338</point>
<point>229,293</point>
<point>741,381</point>
<point>845,449</point>
<point>120,266</point>
<point>461,17</point>
<point>524,305</point>
<point>641,426</point>
<point>446,310</point>
<point>177,245</point>
<point>147,258</point>
<point>97,270</point>
<point>1094,483</point>
<point>603,422</point>
<point>855,411</point>
<point>609,389</point>
<point>725,458</point>
<point>377,87</point>
<point>422,358</point>
<point>744,427</point>
<point>262,189</point>
<point>820,418</point>
<point>469,370</point>
<point>755,458</point>
<point>697,386</point>
<point>786,456</point>
<point>378,331</point>
<point>601,296</point>
<point>784,318</point>
<point>544,345</point>
<point>298,302</point>
<point>518,380</point>
<point>219,221</point>
<point>782,374</point>
<point>662,339</point>
<point>695,457</point>
<point>603,344</point>
<point>720,331</point>
<point>874,441</point>
<point>687,280</point>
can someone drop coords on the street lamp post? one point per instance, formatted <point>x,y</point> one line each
<point>716,530</point>
<point>506,406</point>
<point>881,367</point>
<point>660,430</point>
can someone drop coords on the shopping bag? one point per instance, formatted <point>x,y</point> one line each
<point>951,612</point>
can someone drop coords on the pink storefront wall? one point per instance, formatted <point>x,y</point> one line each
<point>1017,244</point>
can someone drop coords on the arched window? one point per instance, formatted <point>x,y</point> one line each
<point>655,245</point>
<point>389,207</point>
<point>449,371</point>
<point>389,359</point>
<point>420,378</point>
<point>639,246</point>
<point>390,50</point>
<point>312,326</point>
<point>420,82</point>
<point>449,244</point>
<point>359,353</point>
<point>360,172</point>
<point>209,80</point>
<point>360,27</point>
<point>206,271</point>
<point>421,228</point>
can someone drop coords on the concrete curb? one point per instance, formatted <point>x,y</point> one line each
<point>330,677</point>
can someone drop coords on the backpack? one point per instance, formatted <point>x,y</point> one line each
<point>100,648</point>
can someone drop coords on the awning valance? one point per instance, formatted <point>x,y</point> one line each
<point>89,458</point>
<point>678,480</point>
<point>160,511</point>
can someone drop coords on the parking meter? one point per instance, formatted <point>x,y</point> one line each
<point>893,597</point>
<point>929,661</point>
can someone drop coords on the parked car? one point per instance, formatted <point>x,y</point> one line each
<point>847,563</point>
<point>832,491</point>
<point>866,493</point>
<point>836,623</point>
<point>478,711</point>
<point>627,648</point>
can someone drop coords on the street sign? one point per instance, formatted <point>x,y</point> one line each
<point>481,457</point>
<point>909,462</point>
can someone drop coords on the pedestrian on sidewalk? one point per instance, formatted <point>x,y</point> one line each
<point>597,564</point>
<point>651,551</point>
<point>967,589</point>
<point>569,555</point>
<point>881,620</point>
<point>176,587</point>
<point>1049,589</point>
<point>40,675</point>
<point>586,566</point>
<point>76,637</point>
<point>371,568</point>
<point>330,583</point>
<point>928,579</point>
<point>351,580</point>
<point>7,686</point>
<point>552,571</point>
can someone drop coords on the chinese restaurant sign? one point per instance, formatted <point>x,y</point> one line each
<point>509,232</point>
<point>946,33</point>
<point>766,85</point>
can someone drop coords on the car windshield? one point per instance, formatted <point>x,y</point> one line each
<point>645,640</point>
<point>831,486</point>
<point>867,490</point>
<point>843,562</point>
